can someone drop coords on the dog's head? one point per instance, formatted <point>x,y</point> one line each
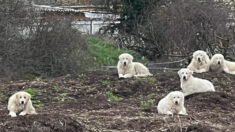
<point>22,98</point>
<point>125,59</point>
<point>217,59</point>
<point>177,97</point>
<point>200,56</point>
<point>185,74</point>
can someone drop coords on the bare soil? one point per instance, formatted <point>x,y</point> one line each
<point>78,103</point>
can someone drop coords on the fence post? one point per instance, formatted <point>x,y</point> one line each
<point>91,27</point>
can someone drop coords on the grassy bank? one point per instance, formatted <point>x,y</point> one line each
<point>105,53</point>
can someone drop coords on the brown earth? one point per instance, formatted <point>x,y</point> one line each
<point>78,103</point>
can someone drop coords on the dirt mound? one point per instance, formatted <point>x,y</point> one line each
<point>80,103</point>
<point>212,101</point>
<point>40,123</point>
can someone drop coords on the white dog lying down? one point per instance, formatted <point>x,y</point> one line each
<point>173,103</point>
<point>219,64</point>
<point>20,102</point>
<point>127,69</point>
<point>191,84</point>
<point>200,62</point>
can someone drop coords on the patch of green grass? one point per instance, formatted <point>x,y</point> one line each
<point>68,75</point>
<point>111,96</point>
<point>56,87</point>
<point>32,91</point>
<point>34,94</point>
<point>106,83</point>
<point>81,76</point>
<point>146,80</point>
<point>90,89</point>
<point>147,104</point>
<point>61,97</point>
<point>106,54</point>
<point>2,96</point>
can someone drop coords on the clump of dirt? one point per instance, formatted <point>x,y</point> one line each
<point>40,123</point>
<point>79,103</point>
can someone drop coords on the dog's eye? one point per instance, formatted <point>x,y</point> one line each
<point>20,96</point>
<point>24,97</point>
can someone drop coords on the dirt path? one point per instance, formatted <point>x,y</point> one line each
<point>79,103</point>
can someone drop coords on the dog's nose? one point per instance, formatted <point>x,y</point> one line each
<point>219,62</point>
<point>124,63</point>
<point>176,102</point>
<point>199,59</point>
<point>184,77</point>
<point>22,102</point>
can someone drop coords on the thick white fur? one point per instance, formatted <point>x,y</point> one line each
<point>191,84</point>
<point>173,103</point>
<point>127,69</point>
<point>219,64</point>
<point>15,104</point>
<point>200,62</point>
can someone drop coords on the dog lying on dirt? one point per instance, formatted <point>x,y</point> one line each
<point>173,103</point>
<point>200,62</point>
<point>20,102</point>
<point>219,64</point>
<point>191,84</point>
<point>127,69</point>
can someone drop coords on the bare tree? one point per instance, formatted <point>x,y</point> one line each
<point>31,44</point>
<point>179,28</point>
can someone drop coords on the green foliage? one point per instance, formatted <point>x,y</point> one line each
<point>111,96</point>
<point>34,93</point>
<point>134,8</point>
<point>146,80</point>
<point>2,96</point>
<point>61,97</point>
<point>147,104</point>
<point>81,76</point>
<point>106,83</point>
<point>106,54</point>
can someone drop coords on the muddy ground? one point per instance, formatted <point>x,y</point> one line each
<point>79,103</point>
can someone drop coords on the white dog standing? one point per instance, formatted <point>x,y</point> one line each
<point>20,102</point>
<point>191,84</point>
<point>219,64</point>
<point>127,69</point>
<point>173,103</point>
<point>200,62</point>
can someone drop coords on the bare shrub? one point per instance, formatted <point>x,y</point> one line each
<point>179,28</point>
<point>32,45</point>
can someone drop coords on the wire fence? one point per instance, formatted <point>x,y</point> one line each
<point>153,66</point>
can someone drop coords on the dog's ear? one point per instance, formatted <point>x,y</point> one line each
<point>194,54</point>
<point>190,72</point>
<point>131,57</point>
<point>179,72</point>
<point>17,96</point>
<point>28,95</point>
<point>120,57</point>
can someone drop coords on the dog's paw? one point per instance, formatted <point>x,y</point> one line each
<point>12,114</point>
<point>22,113</point>
<point>136,76</point>
<point>170,113</point>
<point>182,113</point>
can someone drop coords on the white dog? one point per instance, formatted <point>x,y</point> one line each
<point>127,69</point>
<point>219,64</point>
<point>20,102</point>
<point>200,62</point>
<point>191,84</point>
<point>173,103</point>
